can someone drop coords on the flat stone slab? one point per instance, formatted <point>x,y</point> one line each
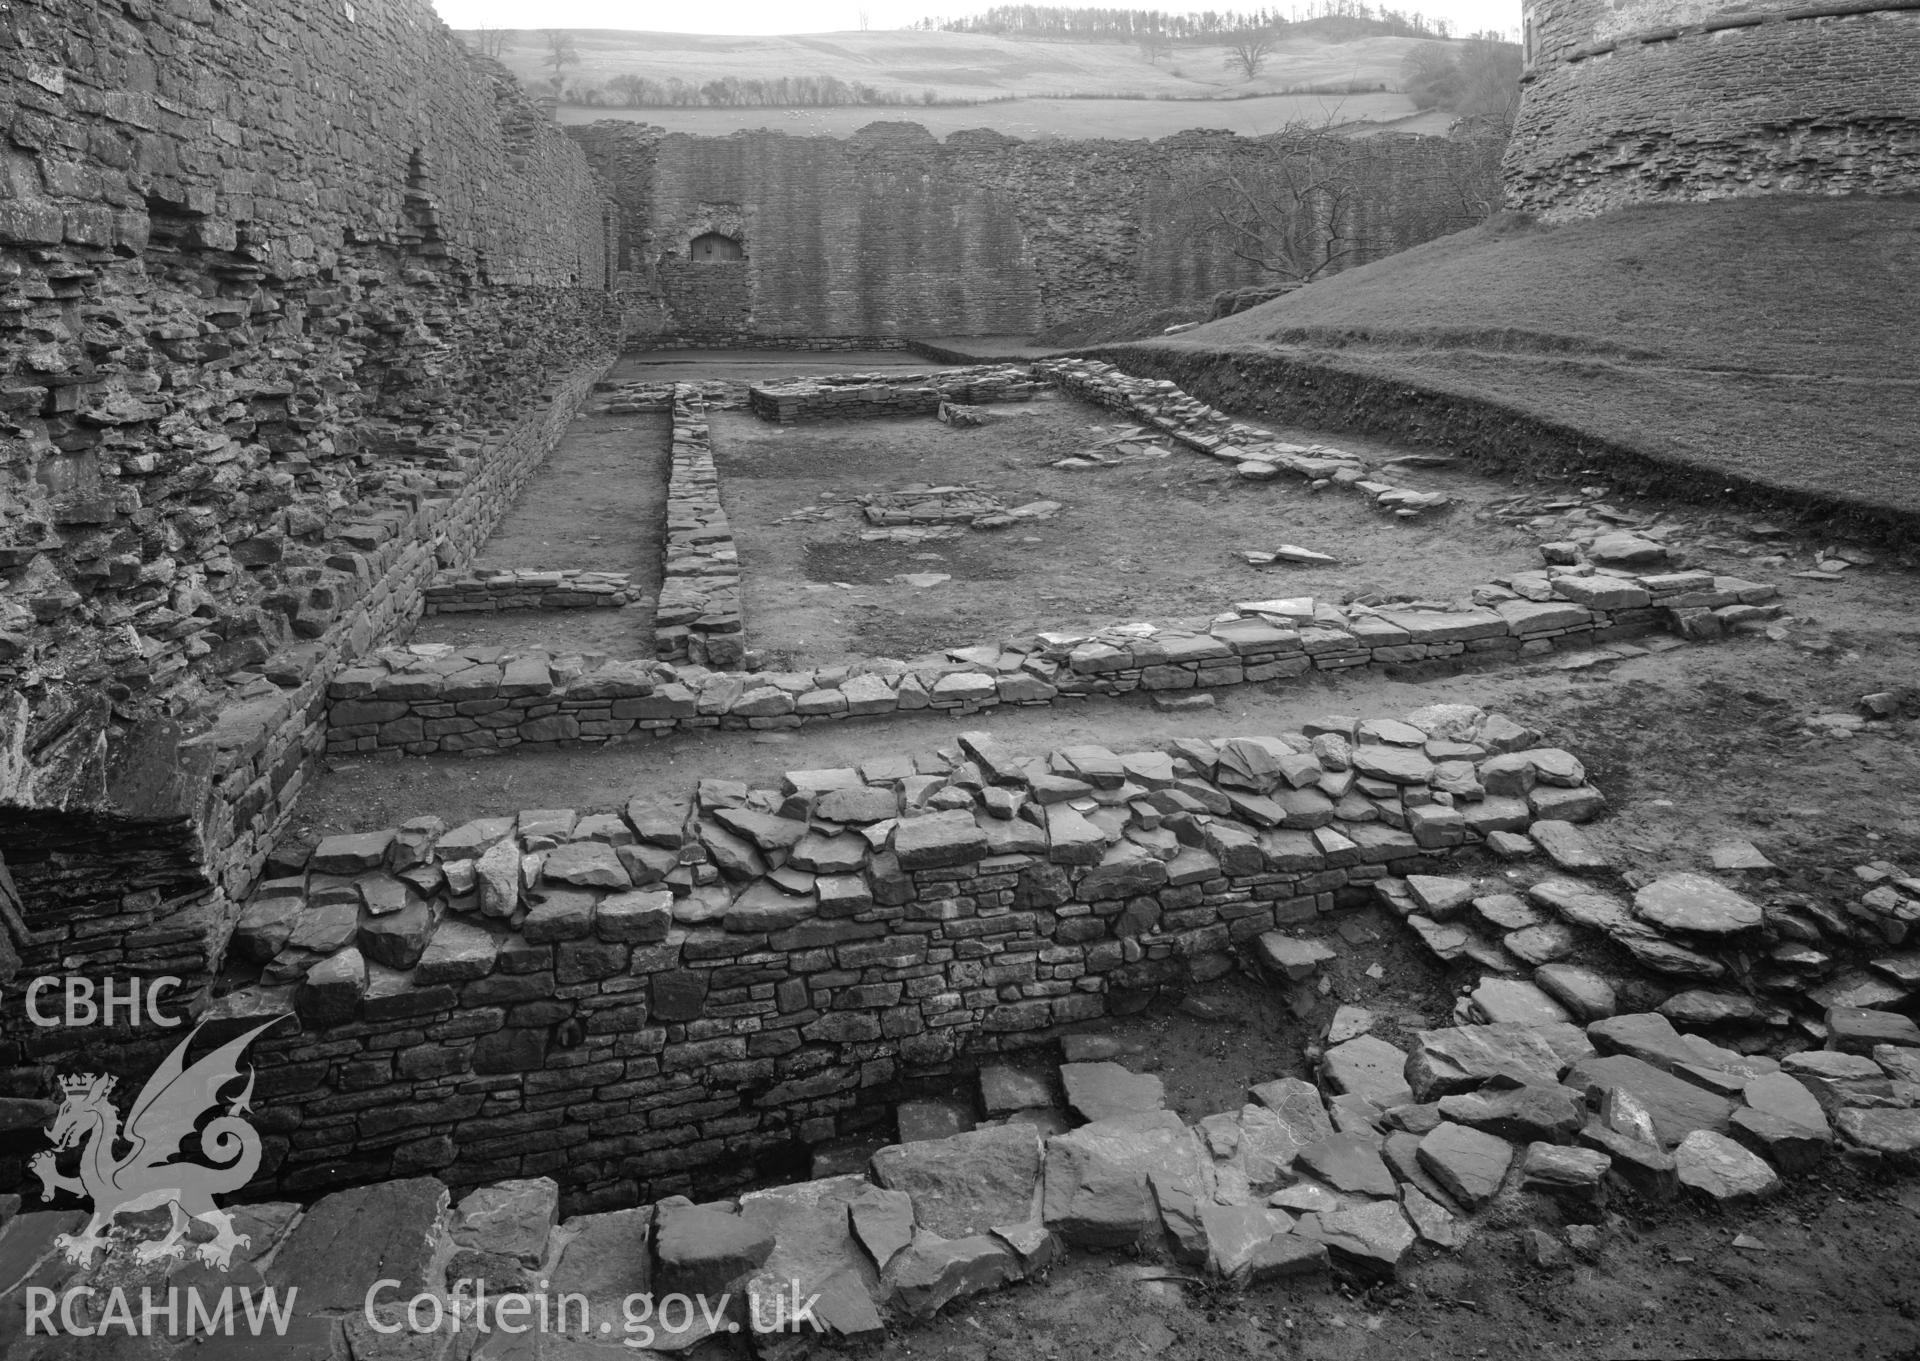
<point>511,1218</point>
<point>1717,1167</point>
<point>935,1271</point>
<point>1004,1089</point>
<point>1249,1243</point>
<point>1292,957</point>
<point>966,1184</point>
<point>1469,1163</point>
<point>1098,1091</point>
<point>1106,1181</point>
<point>1584,993</point>
<point>1677,1107</point>
<point>1348,1162</point>
<point>815,1252</point>
<point>1373,1238</point>
<point>389,1229</point>
<point>1567,846</point>
<point>1856,1030</point>
<point>1513,1001</point>
<point>1695,903</point>
<point>608,1258</point>
<point>1370,1067</point>
<point>1465,1058</point>
<point>1887,1130</point>
<point>700,1251</point>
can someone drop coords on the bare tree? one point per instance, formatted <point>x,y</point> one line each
<point>863,17</point>
<point>1289,208</point>
<point>1489,70</point>
<point>1248,50</point>
<point>1154,45</point>
<point>561,53</point>
<point>489,41</point>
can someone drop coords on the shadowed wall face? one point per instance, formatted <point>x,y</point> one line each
<point>287,295</point>
<point>890,234</point>
<point>1677,100</point>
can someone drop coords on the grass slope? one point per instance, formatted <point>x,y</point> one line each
<point>1770,340</point>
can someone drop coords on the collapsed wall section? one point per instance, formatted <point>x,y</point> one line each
<point>292,300</point>
<point>890,234</point>
<point>1665,100</point>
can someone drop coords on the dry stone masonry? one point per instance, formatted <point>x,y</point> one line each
<point>698,615</point>
<point>488,590</point>
<point>1655,100</point>
<point>889,235</point>
<point>436,699</point>
<point>854,395</point>
<point>280,339</point>
<point>731,972</point>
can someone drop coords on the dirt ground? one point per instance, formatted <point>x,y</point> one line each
<point>598,504</point>
<point>1151,537</point>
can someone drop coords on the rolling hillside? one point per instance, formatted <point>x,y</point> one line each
<point>957,65</point>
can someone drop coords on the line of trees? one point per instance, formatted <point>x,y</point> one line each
<point>1477,78</point>
<point>1326,18</point>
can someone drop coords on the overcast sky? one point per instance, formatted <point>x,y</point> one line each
<point>827,16</point>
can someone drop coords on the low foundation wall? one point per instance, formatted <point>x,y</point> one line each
<point>640,343</point>
<point>904,394</point>
<point>527,588</point>
<point>625,998</point>
<point>463,703</point>
<point>698,616</point>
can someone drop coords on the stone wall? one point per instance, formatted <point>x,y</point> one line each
<point>294,301</point>
<point>622,998</point>
<point>698,618</point>
<point>837,396</point>
<point>1664,100</point>
<point>891,234</point>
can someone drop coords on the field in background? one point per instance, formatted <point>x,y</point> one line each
<point>958,65</point>
<point>1034,119</point>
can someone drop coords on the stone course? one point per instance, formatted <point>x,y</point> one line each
<point>1658,101</point>
<point>697,618</point>
<point>798,947</point>
<point>407,700</point>
<point>487,590</point>
<point>280,338</point>
<point>852,395</point>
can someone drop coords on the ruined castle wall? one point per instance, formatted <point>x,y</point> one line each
<point>890,234</point>
<point>1667,100</point>
<point>292,298</point>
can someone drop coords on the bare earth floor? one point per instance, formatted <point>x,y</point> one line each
<point>598,505</point>
<point>1148,537</point>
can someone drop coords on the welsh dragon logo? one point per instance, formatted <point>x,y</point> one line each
<point>144,1177</point>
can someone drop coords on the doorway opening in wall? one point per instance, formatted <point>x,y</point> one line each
<point>714,246</point>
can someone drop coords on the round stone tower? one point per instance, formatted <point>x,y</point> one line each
<point>1631,101</point>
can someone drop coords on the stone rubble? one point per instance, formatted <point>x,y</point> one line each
<point>842,395</point>
<point>487,590</point>
<point>396,699</point>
